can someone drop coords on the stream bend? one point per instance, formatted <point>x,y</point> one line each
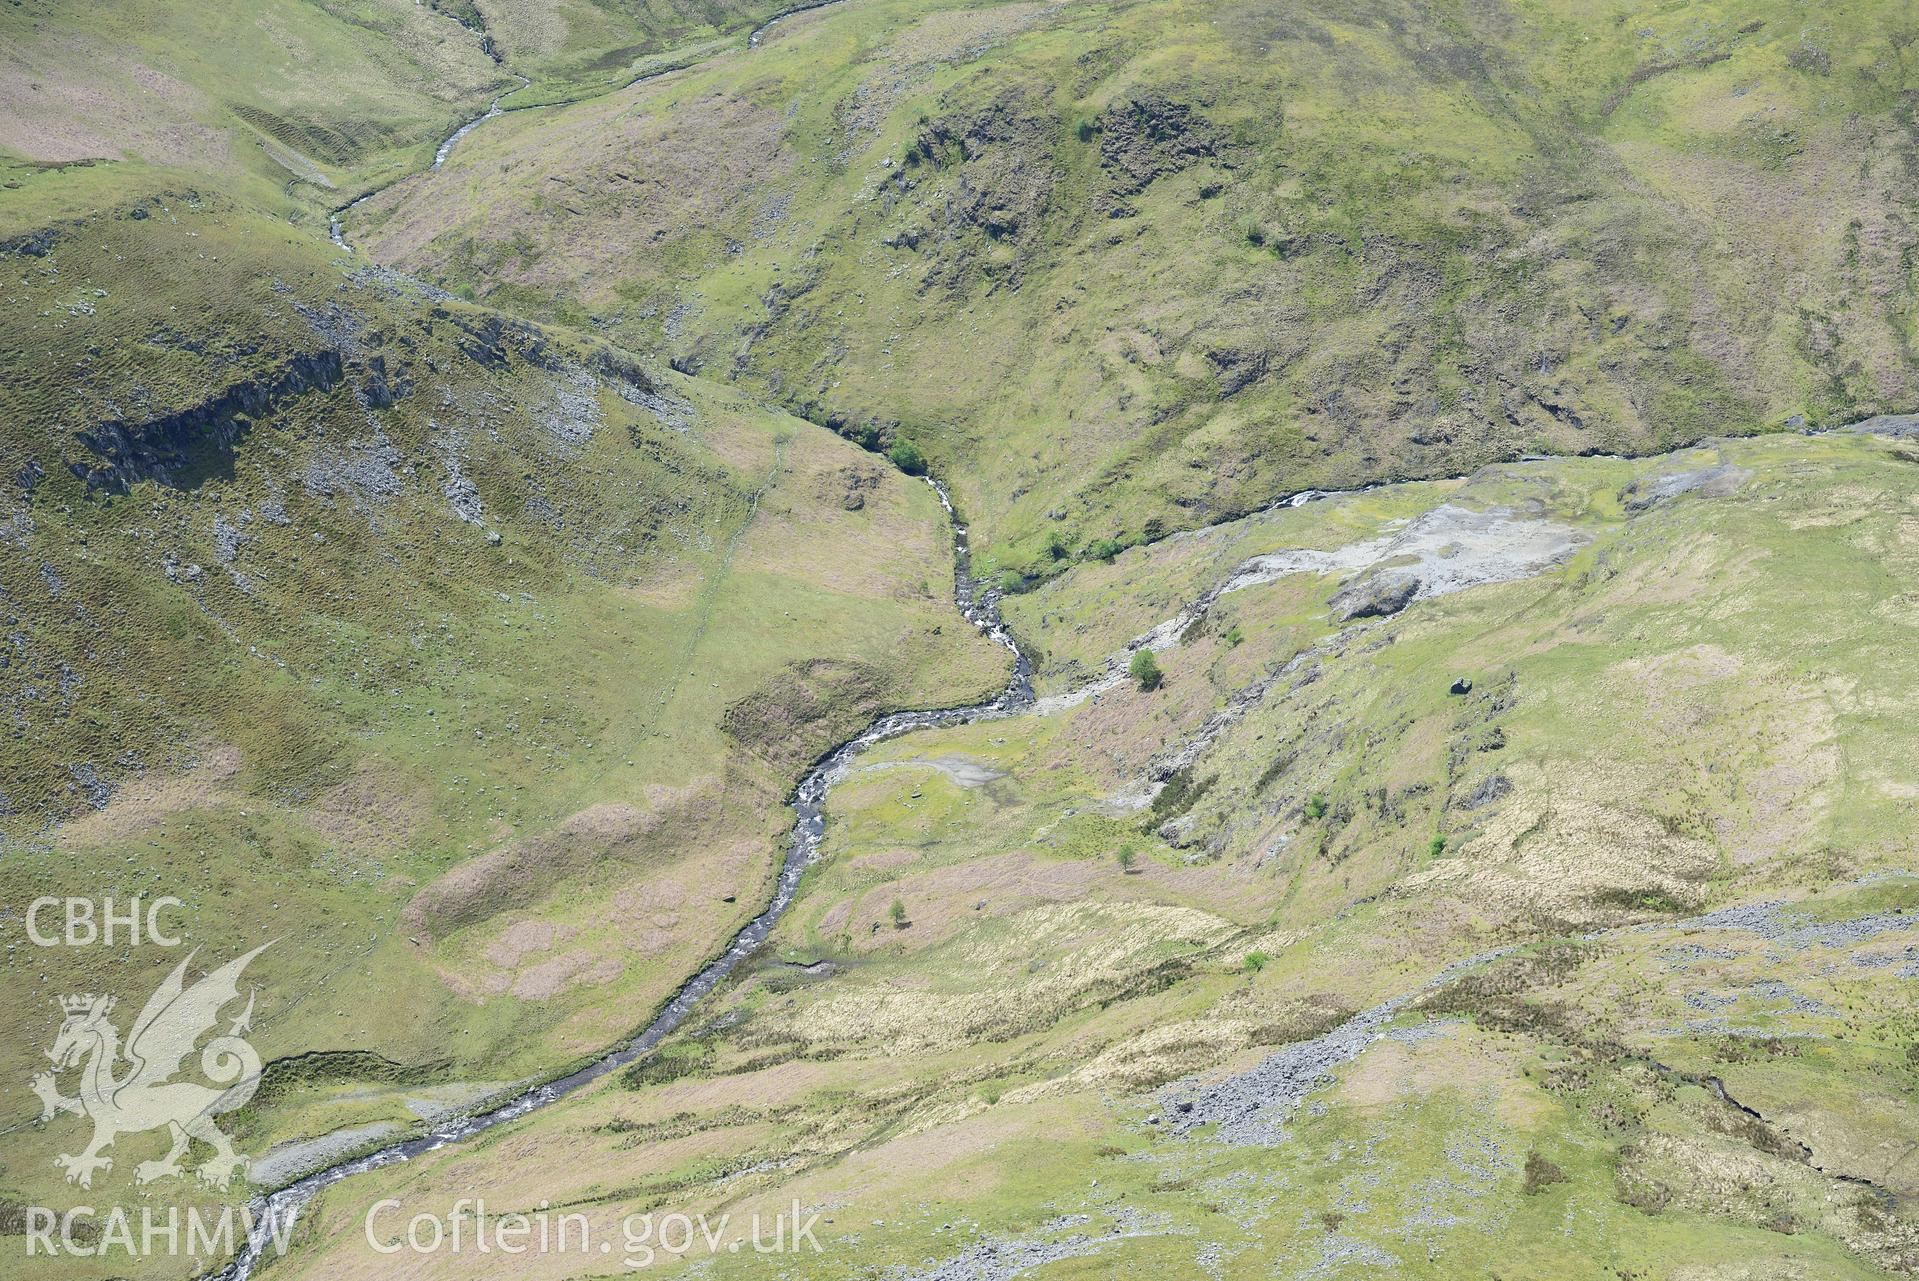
<point>274,1216</point>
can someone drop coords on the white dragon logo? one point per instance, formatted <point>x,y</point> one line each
<point>141,1099</point>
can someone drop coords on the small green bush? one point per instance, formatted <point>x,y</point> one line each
<point>1145,670</point>
<point>1255,962</point>
<point>1315,806</point>
<point>907,457</point>
<point>898,914</point>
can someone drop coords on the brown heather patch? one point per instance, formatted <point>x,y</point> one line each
<point>142,803</point>
<point>645,159</point>
<point>523,872</point>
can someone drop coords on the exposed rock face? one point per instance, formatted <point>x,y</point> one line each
<point>379,389</point>
<point>1148,136</point>
<point>631,380</point>
<point>1004,175</point>
<point>188,447</point>
<point>850,485</point>
<point>1897,426</point>
<point>183,450</point>
<point>32,244</point>
<point>1707,482</point>
<point>1238,368</point>
<point>1492,788</point>
<point>1376,596</point>
<point>491,339</point>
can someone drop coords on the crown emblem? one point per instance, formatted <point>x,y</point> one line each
<point>145,1096</point>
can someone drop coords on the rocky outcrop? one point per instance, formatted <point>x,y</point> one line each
<point>32,244</point>
<point>1003,179</point>
<point>1375,596</point>
<point>1238,368</point>
<point>185,449</point>
<point>188,447</point>
<point>1706,482</point>
<point>491,339</point>
<point>1896,426</point>
<point>1149,136</point>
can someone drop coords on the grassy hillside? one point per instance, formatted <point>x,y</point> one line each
<point>300,106</point>
<point>1601,965</point>
<point>416,639</point>
<point>294,101</point>
<point>579,48</point>
<point>1124,268</point>
<point>1509,874</point>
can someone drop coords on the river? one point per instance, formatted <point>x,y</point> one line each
<point>274,1215</point>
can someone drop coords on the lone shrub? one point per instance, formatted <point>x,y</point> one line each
<point>907,457</point>
<point>898,914</point>
<point>1145,670</point>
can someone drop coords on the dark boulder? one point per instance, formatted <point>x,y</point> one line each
<point>1375,596</point>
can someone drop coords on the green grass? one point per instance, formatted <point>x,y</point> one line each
<point>305,103</point>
